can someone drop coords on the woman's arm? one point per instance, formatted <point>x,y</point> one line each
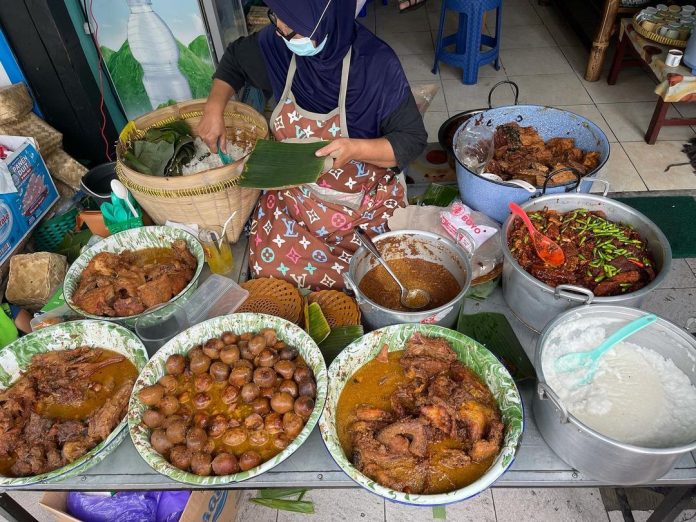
<point>403,138</point>
<point>211,128</point>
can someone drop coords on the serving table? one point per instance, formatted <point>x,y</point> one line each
<point>311,466</point>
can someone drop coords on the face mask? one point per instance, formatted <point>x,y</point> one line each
<point>304,46</point>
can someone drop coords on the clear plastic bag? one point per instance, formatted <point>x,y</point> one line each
<point>474,148</point>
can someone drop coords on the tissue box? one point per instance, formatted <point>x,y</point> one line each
<point>27,192</point>
<point>34,278</point>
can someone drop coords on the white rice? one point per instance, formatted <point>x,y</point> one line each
<point>206,160</point>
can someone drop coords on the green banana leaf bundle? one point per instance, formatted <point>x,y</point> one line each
<point>163,151</point>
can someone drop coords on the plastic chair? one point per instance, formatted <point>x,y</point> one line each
<point>469,38</point>
<point>363,11</point>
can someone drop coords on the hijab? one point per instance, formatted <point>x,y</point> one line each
<point>377,84</point>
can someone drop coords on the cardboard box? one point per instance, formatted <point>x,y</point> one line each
<point>27,192</point>
<point>203,506</point>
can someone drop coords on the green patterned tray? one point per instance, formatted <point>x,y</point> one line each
<point>15,358</point>
<point>473,355</point>
<point>290,333</point>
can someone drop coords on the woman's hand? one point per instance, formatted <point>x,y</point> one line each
<point>211,129</point>
<point>378,152</point>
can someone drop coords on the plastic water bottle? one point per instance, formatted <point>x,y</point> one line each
<point>154,47</point>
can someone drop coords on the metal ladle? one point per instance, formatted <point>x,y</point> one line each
<point>415,298</point>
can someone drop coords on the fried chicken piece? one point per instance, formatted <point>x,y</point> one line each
<point>403,399</point>
<point>439,415</point>
<point>179,280</point>
<point>412,429</point>
<point>128,306</point>
<point>103,263</point>
<point>182,251</point>
<point>155,292</point>
<point>486,448</point>
<point>366,412</point>
<point>421,346</point>
<point>105,419</point>
<point>98,301</point>
<point>451,458</point>
<point>476,417</point>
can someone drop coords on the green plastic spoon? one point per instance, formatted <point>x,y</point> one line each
<point>590,360</point>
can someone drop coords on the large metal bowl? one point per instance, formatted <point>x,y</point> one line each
<point>410,244</point>
<point>135,239</point>
<point>585,449</point>
<point>492,197</point>
<point>536,303</point>
<point>469,352</point>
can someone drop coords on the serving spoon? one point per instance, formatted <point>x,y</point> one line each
<point>414,298</point>
<point>590,360</point>
<point>121,192</point>
<point>547,249</point>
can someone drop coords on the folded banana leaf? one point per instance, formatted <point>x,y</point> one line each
<point>278,165</point>
<point>163,151</point>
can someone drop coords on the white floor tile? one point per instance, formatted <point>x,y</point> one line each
<point>477,509</point>
<point>447,72</point>
<point>462,97</point>
<point>540,60</point>
<point>525,36</point>
<point>558,505</point>
<point>651,160</point>
<point>519,12</point>
<point>551,89</point>
<point>29,500</point>
<point>438,102</point>
<point>577,56</point>
<point>629,121</point>
<point>433,120</point>
<point>591,112</point>
<point>620,173</point>
<point>677,304</point>
<point>420,42</point>
<point>563,34</point>
<point>680,276</point>
<point>418,67</point>
<point>334,505</point>
<point>390,18</point>
<point>633,85</point>
<point>248,511</point>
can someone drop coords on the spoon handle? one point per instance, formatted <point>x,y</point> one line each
<point>370,246</point>
<point>517,210</point>
<point>623,333</point>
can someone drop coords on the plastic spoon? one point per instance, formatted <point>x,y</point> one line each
<point>414,298</point>
<point>224,157</point>
<point>517,182</point>
<point>547,249</point>
<point>121,192</point>
<point>590,360</point>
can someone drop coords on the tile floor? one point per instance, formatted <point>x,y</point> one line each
<point>544,57</point>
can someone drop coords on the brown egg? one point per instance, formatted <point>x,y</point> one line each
<point>168,405</point>
<point>230,394</point>
<point>243,363</point>
<point>176,432</point>
<point>217,426</point>
<point>264,377</point>
<point>195,351</point>
<point>253,421</point>
<point>225,464</point>
<point>267,391</point>
<point>267,358</point>
<point>200,463</point>
<point>245,353</point>
<point>202,401</point>
<point>288,353</point>
<point>280,441</point>
<point>273,423</point>
<point>257,344</point>
<point>184,397</point>
<point>196,439</point>
<point>202,382</point>
<point>302,373</point>
<point>219,371</point>
<point>176,364</point>
<point>160,443</point>
<point>168,421</point>
<point>285,368</point>
<point>151,395</point>
<point>212,348</point>
<point>201,420</point>
<point>199,364</point>
<point>250,391</point>
<point>261,406</point>
<point>289,387</point>
<point>169,383</point>
<point>229,354</point>
<point>248,460</point>
<point>235,436</point>
<point>304,406</point>
<point>180,457</point>
<point>240,376</point>
<point>246,336</point>
<point>307,388</point>
<point>152,419</point>
<point>258,438</point>
<point>282,402</point>
<point>229,338</point>
<point>292,424</point>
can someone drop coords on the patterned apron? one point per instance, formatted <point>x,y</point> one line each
<point>305,234</point>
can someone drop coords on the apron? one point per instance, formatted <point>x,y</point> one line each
<point>305,234</point>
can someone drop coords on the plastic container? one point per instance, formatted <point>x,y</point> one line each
<point>217,295</point>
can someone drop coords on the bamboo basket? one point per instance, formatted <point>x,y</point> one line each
<point>15,103</point>
<point>207,198</point>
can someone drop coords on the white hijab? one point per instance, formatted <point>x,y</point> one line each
<point>359,6</point>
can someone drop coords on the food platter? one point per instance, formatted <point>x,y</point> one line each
<point>134,239</point>
<point>15,358</point>
<point>474,356</point>
<point>181,344</point>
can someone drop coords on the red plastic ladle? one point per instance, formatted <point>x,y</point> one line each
<point>547,249</point>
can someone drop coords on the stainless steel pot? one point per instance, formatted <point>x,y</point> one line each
<point>536,303</point>
<point>588,451</point>
<point>410,244</point>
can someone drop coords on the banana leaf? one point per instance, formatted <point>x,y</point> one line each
<point>277,165</point>
<point>338,339</point>
<point>317,326</point>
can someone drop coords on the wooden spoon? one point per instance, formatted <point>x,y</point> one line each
<point>547,249</point>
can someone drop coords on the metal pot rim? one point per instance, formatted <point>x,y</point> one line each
<point>508,257</point>
<point>432,235</point>
<point>559,320</point>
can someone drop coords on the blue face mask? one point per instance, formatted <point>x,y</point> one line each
<point>304,46</point>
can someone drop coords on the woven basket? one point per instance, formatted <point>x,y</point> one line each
<point>207,198</point>
<point>48,138</point>
<point>15,103</point>
<point>273,297</point>
<point>49,234</point>
<point>670,42</point>
<point>338,308</point>
<point>65,168</point>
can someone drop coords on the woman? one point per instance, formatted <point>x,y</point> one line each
<point>333,80</point>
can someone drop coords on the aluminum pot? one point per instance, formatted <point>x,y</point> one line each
<point>410,244</point>
<point>583,448</point>
<point>536,303</point>
<point>492,197</point>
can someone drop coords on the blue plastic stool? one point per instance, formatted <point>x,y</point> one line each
<point>363,11</point>
<point>469,38</point>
